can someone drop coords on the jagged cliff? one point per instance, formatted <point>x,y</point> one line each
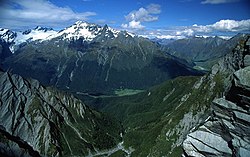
<point>39,121</point>
<point>227,131</point>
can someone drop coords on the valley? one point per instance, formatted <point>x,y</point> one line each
<point>93,90</point>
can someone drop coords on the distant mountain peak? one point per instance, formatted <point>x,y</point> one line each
<point>80,22</point>
<point>45,29</point>
<point>87,31</point>
<point>26,32</point>
<point>79,30</point>
<point>7,35</point>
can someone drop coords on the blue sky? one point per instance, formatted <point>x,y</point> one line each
<point>161,18</point>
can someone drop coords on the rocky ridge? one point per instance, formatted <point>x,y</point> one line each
<point>39,121</point>
<point>18,39</point>
<point>226,132</point>
<point>86,31</point>
<point>7,35</point>
<point>80,29</point>
<point>204,52</point>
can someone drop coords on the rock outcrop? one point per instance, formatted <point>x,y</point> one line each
<point>39,121</point>
<point>227,131</point>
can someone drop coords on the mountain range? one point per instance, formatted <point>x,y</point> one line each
<point>101,59</point>
<point>204,52</point>
<point>90,90</point>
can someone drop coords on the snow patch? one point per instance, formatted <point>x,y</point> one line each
<point>7,35</point>
<point>71,75</point>
<point>3,31</point>
<point>33,35</point>
<point>79,30</point>
<point>149,93</point>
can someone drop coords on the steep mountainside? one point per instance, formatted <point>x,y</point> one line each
<point>157,121</point>
<point>7,38</point>
<point>204,52</point>
<point>101,59</point>
<point>39,121</point>
<point>4,51</point>
<point>226,133</point>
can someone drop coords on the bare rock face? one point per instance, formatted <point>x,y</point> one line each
<point>241,78</point>
<point>247,60</point>
<point>227,131</point>
<point>39,121</point>
<point>203,142</point>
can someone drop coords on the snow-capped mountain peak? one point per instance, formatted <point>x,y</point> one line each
<point>78,30</point>
<point>7,35</point>
<point>45,29</point>
<point>16,38</point>
<point>86,31</point>
<point>39,33</point>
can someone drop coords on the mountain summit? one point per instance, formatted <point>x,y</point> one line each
<point>85,31</point>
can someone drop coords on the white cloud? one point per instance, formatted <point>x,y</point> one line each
<point>218,1</point>
<point>186,32</point>
<point>141,15</point>
<point>222,28</point>
<point>154,8</point>
<point>152,36</point>
<point>23,13</point>
<point>161,34</point>
<point>232,25</point>
<point>136,17</point>
<point>133,25</point>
